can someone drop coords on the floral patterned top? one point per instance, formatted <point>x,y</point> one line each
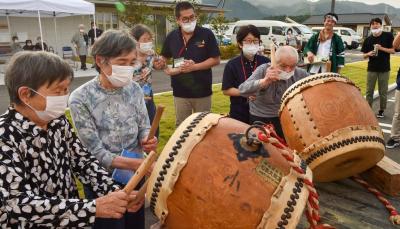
<point>37,169</point>
<point>109,121</point>
<point>145,83</point>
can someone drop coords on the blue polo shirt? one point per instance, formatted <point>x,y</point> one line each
<point>236,71</point>
<point>201,46</point>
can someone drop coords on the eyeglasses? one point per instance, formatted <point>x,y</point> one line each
<point>248,42</point>
<point>189,19</point>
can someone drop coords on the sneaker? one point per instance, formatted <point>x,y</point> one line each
<point>380,114</point>
<point>392,143</point>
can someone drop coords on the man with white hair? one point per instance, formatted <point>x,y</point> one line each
<point>269,83</point>
<point>80,41</point>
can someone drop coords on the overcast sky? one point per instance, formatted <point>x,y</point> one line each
<point>394,3</point>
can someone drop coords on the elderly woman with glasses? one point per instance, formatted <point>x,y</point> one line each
<point>40,155</point>
<point>240,68</point>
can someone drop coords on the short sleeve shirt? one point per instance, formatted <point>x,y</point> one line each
<point>201,46</point>
<point>380,63</point>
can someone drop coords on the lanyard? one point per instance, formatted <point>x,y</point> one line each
<point>183,48</point>
<point>244,69</point>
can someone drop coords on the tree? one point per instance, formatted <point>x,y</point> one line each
<point>219,26</point>
<point>134,12</point>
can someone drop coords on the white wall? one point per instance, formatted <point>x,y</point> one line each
<point>66,27</point>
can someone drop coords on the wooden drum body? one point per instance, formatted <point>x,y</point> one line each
<point>205,179</point>
<point>326,119</point>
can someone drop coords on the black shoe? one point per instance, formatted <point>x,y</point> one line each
<point>392,143</point>
<point>380,114</point>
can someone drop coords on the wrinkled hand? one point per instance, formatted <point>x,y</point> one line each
<point>134,204</point>
<point>159,63</point>
<point>113,205</point>
<point>271,75</point>
<point>310,57</point>
<point>188,66</point>
<point>149,145</point>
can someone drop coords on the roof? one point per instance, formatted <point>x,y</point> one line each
<point>162,4</point>
<point>344,19</point>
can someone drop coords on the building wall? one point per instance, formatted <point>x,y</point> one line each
<point>66,27</point>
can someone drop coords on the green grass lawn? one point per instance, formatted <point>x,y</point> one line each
<point>357,72</point>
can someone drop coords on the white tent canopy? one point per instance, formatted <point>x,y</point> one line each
<point>45,8</point>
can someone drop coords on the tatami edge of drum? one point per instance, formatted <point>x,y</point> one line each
<point>350,160</point>
<point>310,81</point>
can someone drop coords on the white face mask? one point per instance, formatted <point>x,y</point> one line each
<point>120,75</point>
<point>250,50</point>
<point>16,41</point>
<point>55,107</point>
<point>285,75</point>
<point>81,30</point>
<point>146,48</point>
<point>189,27</point>
<point>376,31</point>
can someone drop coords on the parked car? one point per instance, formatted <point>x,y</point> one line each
<point>351,39</point>
<point>271,31</point>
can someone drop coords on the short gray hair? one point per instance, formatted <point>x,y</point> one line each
<point>111,44</point>
<point>33,70</point>
<point>286,50</point>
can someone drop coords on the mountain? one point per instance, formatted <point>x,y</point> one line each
<point>260,9</point>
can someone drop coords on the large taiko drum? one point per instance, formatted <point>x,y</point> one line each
<point>327,120</point>
<point>205,178</point>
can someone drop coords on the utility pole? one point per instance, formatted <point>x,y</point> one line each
<point>333,6</point>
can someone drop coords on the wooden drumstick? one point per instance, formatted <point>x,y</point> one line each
<point>150,159</point>
<point>273,60</point>
<point>156,122</point>
<point>140,194</point>
<point>140,172</point>
<point>328,66</point>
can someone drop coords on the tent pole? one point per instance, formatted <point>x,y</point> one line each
<point>55,31</point>
<point>40,28</point>
<point>94,26</point>
<point>8,24</point>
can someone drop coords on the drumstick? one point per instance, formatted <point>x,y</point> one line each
<point>273,60</point>
<point>149,160</point>
<point>140,194</point>
<point>156,122</point>
<point>328,66</point>
<point>140,172</point>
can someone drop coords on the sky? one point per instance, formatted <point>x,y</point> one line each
<point>394,3</point>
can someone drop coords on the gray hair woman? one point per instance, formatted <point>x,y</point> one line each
<point>40,154</point>
<point>110,115</point>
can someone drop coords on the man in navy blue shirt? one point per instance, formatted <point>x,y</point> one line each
<point>194,51</point>
<point>240,68</point>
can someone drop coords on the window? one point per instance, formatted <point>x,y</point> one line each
<point>263,30</point>
<point>106,20</point>
<point>345,33</point>
<point>276,30</point>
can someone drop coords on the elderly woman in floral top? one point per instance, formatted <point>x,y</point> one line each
<point>40,155</point>
<point>109,111</point>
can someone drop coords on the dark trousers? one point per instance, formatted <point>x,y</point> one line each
<point>274,121</point>
<point>83,61</point>
<point>130,220</point>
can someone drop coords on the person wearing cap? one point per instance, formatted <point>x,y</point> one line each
<point>325,45</point>
<point>377,48</point>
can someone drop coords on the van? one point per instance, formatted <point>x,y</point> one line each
<point>302,31</point>
<point>270,31</point>
<point>351,39</point>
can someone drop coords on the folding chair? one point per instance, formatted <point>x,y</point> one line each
<point>68,55</point>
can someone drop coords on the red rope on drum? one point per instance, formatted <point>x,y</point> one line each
<point>394,215</point>
<point>312,211</point>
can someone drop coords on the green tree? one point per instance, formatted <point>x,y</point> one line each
<point>134,12</point>
<point>219,26</point>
